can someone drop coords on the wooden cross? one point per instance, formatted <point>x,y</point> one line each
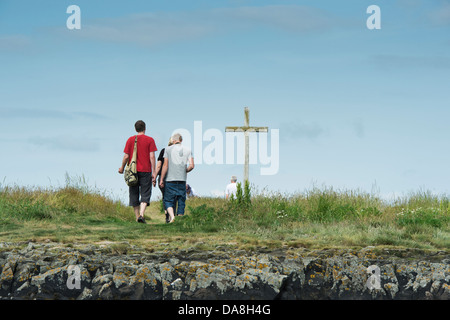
<point>246,129</point>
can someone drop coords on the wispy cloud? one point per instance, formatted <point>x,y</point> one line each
<point>293,18</point>
<point>66,143</point>
<point>149,29</point>
<point>409,4</point>
<point>88,115</point>
<point>402,61</point>
<point>358,127</point>
<point>145,29</point>
<point>39,113</point>
<point>441,16</point>
<point>296,130</point>
<point>217,193</point>
<point>14,42</point>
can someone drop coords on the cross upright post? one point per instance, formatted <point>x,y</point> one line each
<point>246,129</point>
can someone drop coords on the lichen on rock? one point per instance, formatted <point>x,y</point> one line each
<point>41,271</point>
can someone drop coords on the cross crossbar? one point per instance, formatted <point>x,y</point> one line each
<point>246,128</point>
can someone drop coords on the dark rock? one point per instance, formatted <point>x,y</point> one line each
<point>42,271</point>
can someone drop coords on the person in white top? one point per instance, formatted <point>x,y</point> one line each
<point>231,188</point>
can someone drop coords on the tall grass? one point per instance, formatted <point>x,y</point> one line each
<point>19,203</point>
<point>315,218</point>
<point>328,217</point>
<point>63,214</point>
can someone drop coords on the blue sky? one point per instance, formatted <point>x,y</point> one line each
<point>355,108</point>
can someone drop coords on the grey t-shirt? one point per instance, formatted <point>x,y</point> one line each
<point>178,157</point>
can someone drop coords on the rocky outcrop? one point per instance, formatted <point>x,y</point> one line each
<point>52,271</point>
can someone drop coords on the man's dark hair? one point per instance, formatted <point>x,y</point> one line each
<point>139,126</point>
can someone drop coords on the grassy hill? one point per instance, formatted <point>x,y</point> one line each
<point>314,219</point>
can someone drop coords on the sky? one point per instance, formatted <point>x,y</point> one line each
<point>347,107</point>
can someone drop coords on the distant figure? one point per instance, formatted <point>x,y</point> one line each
<point>231,188</point>
<point>159,165</point>
<point>145,165</point>
<point>174,174</point>
<point>190,192</point>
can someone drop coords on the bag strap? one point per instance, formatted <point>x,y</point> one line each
<point>134,150</point>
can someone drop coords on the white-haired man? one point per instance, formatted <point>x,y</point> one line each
<point>174,174</point>
<point>231,188</point>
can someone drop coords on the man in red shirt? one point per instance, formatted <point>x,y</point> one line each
<point>145,165</point>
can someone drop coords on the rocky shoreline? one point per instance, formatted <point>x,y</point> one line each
<point>91,272</point>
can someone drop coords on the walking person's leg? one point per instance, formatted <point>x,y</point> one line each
<point>145,182</point>
<point>181,198</point>
<point>163,203</point>
<point>169,200</point>
<point>134,200</point>
<point>175,205</point>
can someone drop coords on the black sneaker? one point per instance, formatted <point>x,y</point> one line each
<point>141,220</point>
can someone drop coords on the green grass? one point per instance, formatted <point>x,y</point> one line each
<point>313,219</point>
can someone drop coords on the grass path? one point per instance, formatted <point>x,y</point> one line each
<point>315,219</point>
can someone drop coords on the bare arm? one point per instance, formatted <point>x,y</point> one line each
<point>191,165</point>
<point>158,167</point>
<point>125,159</point>
<point>152,163</point>
<point>163,173</point>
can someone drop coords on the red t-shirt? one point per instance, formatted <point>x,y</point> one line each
<point>145,145</point>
